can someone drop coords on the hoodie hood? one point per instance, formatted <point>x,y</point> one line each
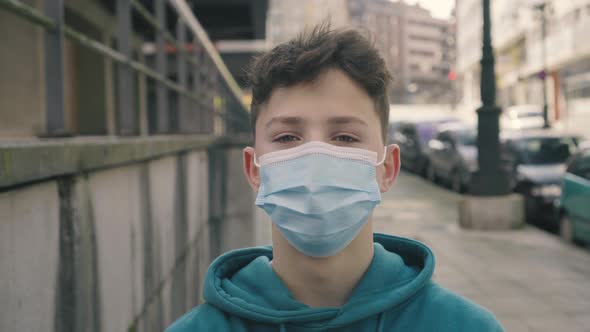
<point>242,283</point>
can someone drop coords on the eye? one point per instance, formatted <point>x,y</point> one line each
<point>286,139</point>
<point>345,139</point>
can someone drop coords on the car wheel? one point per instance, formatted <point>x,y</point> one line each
<point>530,208</point>
<point>566,229</point>
<point>431,173</point>
<point>456,183</point>
<point>423,169</point>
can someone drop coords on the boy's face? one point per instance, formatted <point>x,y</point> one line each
<point>334,110</point>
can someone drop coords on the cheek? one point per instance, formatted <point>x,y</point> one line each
<point>262,146</point>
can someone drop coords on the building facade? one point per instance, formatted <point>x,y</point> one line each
<point>286,18</point>
<point>520,65</point>
<point>429,55</point>
<point>419,49</point>
<point>380,20</point>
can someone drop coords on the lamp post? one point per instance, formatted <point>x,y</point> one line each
<point>541,8</point>
<point>490,179</point>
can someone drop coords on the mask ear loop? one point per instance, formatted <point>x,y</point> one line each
<point>384,156</point>
<point>256,161</point>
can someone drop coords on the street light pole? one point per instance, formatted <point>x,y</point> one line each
<point>490,179</point>
<point>541,7</point>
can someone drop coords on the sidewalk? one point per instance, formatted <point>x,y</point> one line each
<point>528,278</point>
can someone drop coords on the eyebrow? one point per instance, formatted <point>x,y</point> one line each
<point>346,120</point>
<point>295,120</point>
<point>288,120</point>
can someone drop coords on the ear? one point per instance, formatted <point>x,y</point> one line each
<point>391,167</point>
<point>251,170</point>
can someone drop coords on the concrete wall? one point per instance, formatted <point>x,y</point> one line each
<point>124,248</point>
<point>29,256</point>
<point>107,233</point>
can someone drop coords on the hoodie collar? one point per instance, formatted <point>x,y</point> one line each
<point>242,283</point>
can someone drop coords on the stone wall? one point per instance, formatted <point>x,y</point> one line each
<point>124,247</point>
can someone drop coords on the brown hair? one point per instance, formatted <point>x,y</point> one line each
<point>305,57</point>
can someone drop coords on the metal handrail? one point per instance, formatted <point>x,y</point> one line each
<point>184,10</point>
<point>29,13</point>
<point>151,20</point>
<point>34,15</point>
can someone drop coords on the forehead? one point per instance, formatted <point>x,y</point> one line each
<point>332,94</point>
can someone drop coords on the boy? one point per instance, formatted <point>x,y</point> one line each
<point>319,164</point>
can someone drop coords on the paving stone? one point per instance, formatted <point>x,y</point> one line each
<point>529,279</point>
<point>552,323</point>
<point>583,320</point>
<point>514,324</point>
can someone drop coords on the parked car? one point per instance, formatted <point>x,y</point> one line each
<point>412,138</point>
<point>538,162</point>
<point>392,130</point>
<point>452,156</point>
<point>521,117</point>
<point>573,206</point>
<point>584,144</point>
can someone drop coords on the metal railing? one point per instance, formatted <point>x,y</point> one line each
<point>210,95</point>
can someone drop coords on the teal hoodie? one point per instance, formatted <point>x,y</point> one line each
<point>242,293</point>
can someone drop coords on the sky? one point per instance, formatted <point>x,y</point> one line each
<point>438,8</point>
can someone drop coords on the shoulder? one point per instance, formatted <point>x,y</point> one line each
<point>202,318</point>
<point>455,311</point>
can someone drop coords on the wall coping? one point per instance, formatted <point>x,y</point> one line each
<point>29,160</point>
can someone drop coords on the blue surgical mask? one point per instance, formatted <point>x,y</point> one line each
<point>319,195</point>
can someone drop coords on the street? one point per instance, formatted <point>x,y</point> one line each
<point>528,278</point>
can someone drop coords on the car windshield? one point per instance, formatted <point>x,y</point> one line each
<point>546,150</point>
<point>466,137</point>
<point>427,130</point>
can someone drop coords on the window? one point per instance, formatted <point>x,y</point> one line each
<point>466,137</point>
<point>422,53</point>
<point>583,172</point>
<point>420,38</point>
<point>409,130</point>
<point>581,166</point>
<point>446,138</point>
<point>545,150</point>
<point>407,135</point>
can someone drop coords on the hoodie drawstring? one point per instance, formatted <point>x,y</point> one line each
<point>380,322</point>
